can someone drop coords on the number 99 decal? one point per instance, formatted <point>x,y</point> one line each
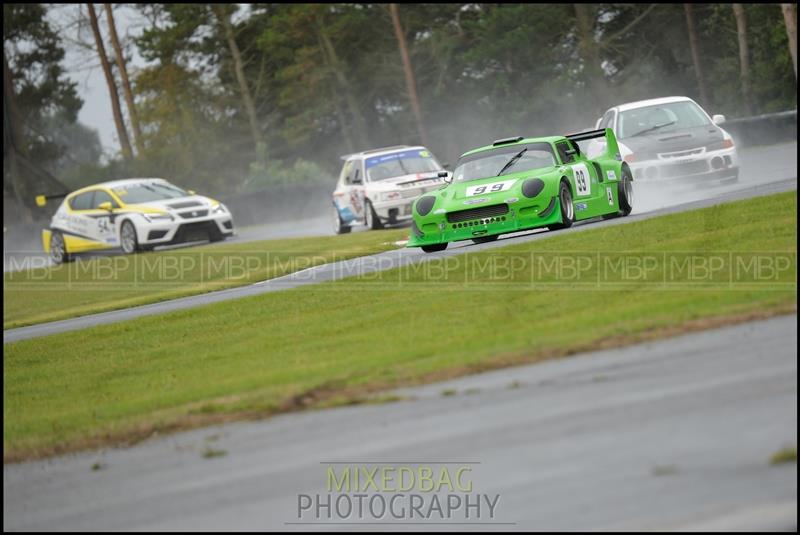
<point>583,181</point>
<point>490,188</point>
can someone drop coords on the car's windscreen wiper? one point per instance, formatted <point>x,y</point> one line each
<point>512,161</point>
<point>403,167</point>
<point>652,128</point>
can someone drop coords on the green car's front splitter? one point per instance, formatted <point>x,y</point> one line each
<point>525,218</point>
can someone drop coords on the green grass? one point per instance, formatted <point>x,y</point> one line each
<point>114,282</point>
<point>336,341</point>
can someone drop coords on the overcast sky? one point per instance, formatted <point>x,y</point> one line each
<point>83,66</point>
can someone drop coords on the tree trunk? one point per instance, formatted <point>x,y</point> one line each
<point>597,90</point>
<point>126,84</point>
<point>359,125</point>
<point>790,18</point>
<point>411,82</point>
<point>13,144</point>
<point>249,106</point>
<point>337,104</point>
<point>744,56</point>
<point>127,152</point>
<point>693,45</point>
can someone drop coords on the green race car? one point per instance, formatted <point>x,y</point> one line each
<point>518,184</point>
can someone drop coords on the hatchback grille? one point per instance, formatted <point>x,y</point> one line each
<point>192,215</point>
<point>477,213</point>
<point>688,168</point>
<point>188,204</point>
<point>412,193</point>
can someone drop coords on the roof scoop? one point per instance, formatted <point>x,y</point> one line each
<point>506,141</point>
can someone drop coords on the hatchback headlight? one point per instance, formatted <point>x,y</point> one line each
<point>218,208</point>
<point>152,218</point>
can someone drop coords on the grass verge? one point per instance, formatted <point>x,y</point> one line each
<point>334,343</point>
<point>113,282</point>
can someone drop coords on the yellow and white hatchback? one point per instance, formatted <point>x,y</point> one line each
<point>133,215</point>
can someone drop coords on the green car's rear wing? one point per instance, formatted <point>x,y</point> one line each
<point>612,149</point>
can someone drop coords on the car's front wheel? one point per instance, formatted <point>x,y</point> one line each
<point>566,207</point>
<point>338,225</point>
<point>371,217</point>
<point>127,238</point>
<point>435,248</point>
<point>625,191</point>
<point>58,249</point>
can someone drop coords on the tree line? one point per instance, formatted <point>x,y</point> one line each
<point>233,99</point>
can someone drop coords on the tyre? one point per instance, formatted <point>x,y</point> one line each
<point>127,238</point>
<point>435,248</point>
<point>566,207</point>
<point>371,218</point>
<point>625,193</point>
<point>58,248</point>
<point>486,239</point>
<point>338,225</point>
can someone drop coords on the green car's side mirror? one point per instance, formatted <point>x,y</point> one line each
<point>106,206</point>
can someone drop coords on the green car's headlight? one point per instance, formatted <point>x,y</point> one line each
<point>425,204</point>
<point>532,187</point>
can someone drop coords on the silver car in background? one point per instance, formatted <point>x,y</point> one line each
<point>672,138</point>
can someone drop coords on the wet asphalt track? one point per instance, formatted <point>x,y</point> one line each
<point>404,256</point>
<point>673,434</point>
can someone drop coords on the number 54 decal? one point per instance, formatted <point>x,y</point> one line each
<point>583,181</point>
<point>490,188</point>
<point>103,225</point>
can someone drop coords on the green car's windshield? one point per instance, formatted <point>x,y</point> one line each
<point>662,118</point>
<point>490,163</point>
<point>148,192</point>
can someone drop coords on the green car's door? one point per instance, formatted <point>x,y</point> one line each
<point>590,196</point>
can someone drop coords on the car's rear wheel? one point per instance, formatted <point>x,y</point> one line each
<point>338,225</point>
<point>625,192</point>
<point>127,238</point>
<point>58,248</point>
<point>371,217</point>
<point>624,197</point>
<point>435,248</point>
<point>566,207</point>
<point>485,239</point>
